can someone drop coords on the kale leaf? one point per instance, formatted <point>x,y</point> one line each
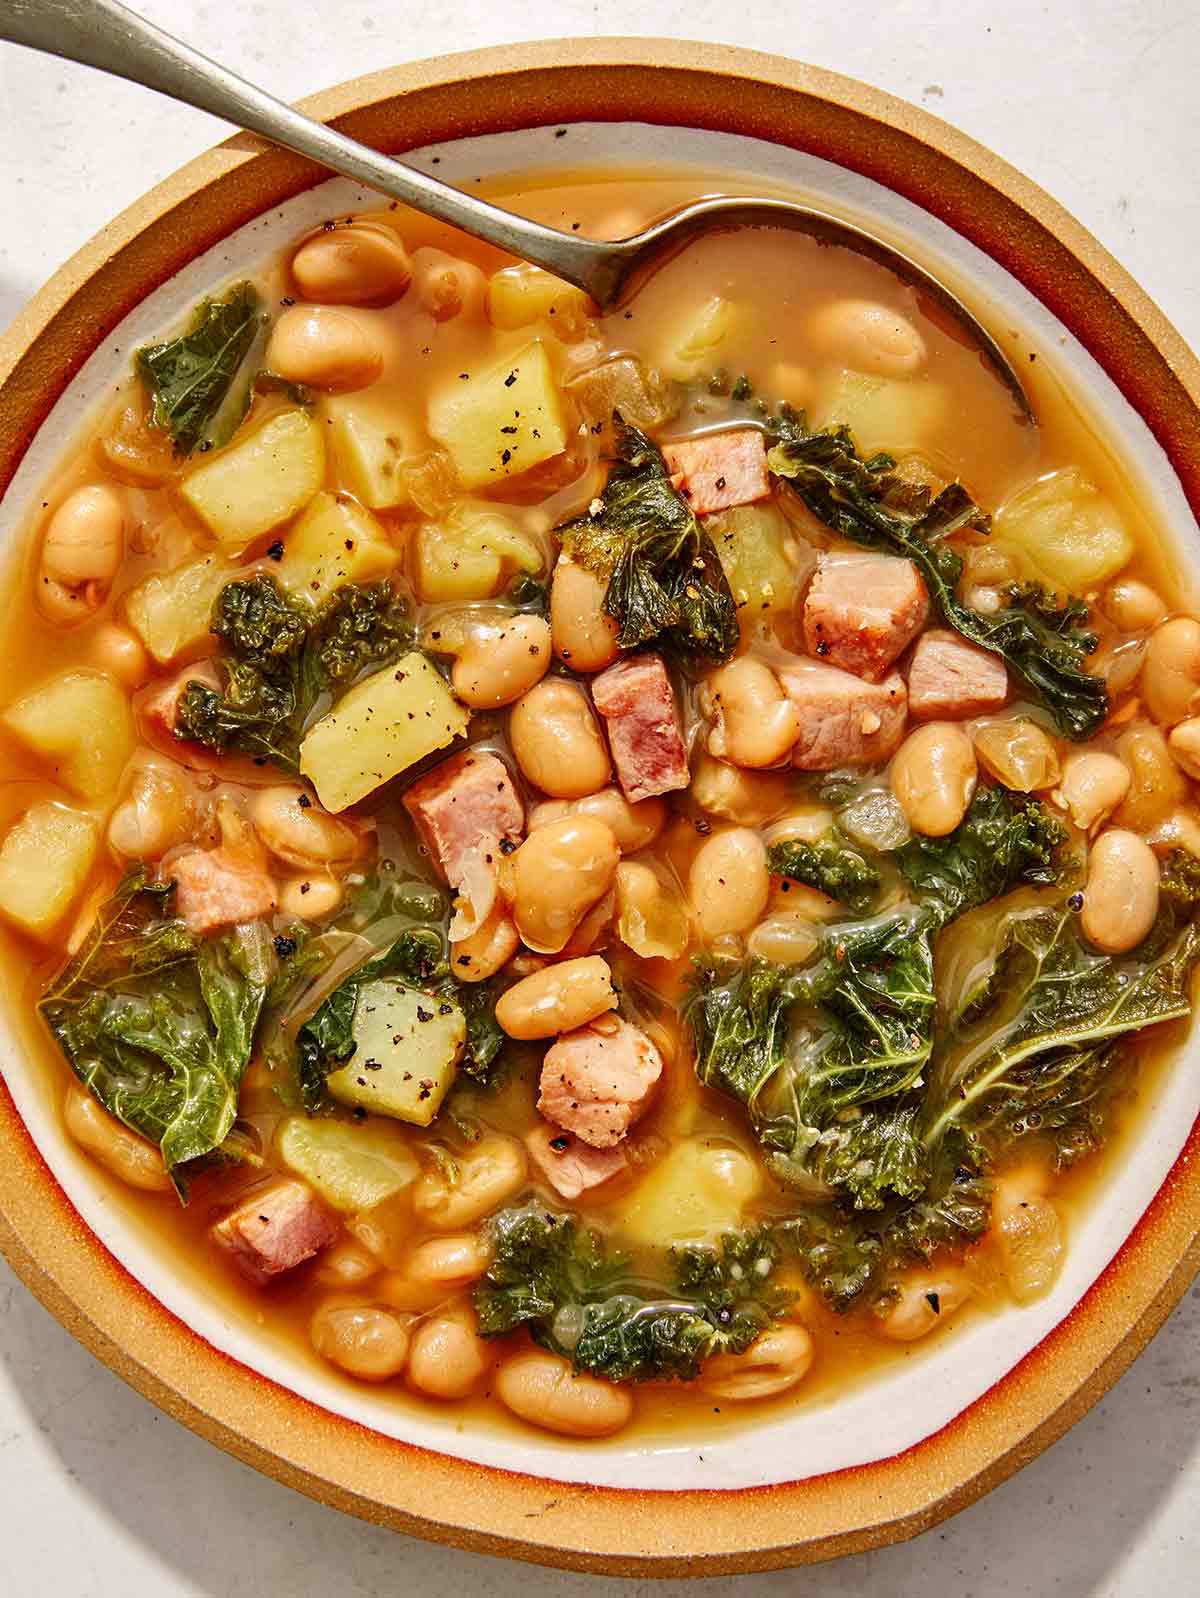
<point>831,865</point>
<point>1044,643</point>
<point>847,1257</point>
<point>159,1025</point>
<point>558,1279</point>
<point>1030,1047</point>
<point>802,1049</point>
<point>191,377</point>
<point>666,584</point>
<point>1005,840</point>
<point>418,956</point>
<point>280,656</point>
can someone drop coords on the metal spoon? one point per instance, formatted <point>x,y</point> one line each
<point>104,34</point>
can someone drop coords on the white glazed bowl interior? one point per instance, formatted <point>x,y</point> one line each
<point>912,1399</point>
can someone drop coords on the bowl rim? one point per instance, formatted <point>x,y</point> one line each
<point>337,1461</point>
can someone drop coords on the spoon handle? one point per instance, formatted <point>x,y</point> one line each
<point>106,35</point>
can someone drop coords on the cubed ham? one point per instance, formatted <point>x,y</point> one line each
<point>720,471</point>
<point>949,677</point>
<point>638,705</point>
<point>275,1229</point>
<point>571,1166</point>
<point>597,1081</point>
<point>463,809</point>
<point>862,611</point>
<point>215,889</point>
<point>844,721</point>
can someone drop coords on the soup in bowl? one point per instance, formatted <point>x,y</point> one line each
<point>596,877</point>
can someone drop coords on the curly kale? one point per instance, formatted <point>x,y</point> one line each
<point>1004,841</point>
<point>666,584</point>
<point>595,1308</point>
<point>280,656</point>
<point>832,866</point>
<point>1044,643</point>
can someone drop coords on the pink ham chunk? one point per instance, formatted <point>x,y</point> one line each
<point>463,809</point>
<point>844,721</point>
<point>597,1081</point>
<point>276,1229</point>
<point>637,702</point>
<point>571,1166</point>
<point>950,677</point>
<point>862,611</point>
<point>217,888</point>
<point>720,471</point>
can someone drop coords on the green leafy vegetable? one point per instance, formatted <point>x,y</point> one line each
<point>1035,1031</point>
<point>159,1025</point>
<point>280,657</point>
<point>418,955</point>
<point>848,1257</point>
<point>552,1276</point>
<point>665,580</point>
<point>803,1048</point>
<point>1005,840</point>
<point>191,377</point>
<point>832,866</point>
<point>1044,643</point>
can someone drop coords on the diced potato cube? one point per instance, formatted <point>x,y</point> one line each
<point>171,612</point>
<point>519,295</point>
<point>44,864</point>
<point>696,1191</point>
<point>369,449</point>
<point>408,1048</point>
<point>750,542</point>
<point>380,728</point>
<point>1067,530</point>
<point>469,555</point>
<point>502,420</point>
<point>352,1164</point>
<point>260,482</point>
<point>334,542</point>
<point>884,413</point>
<point>80,720</point>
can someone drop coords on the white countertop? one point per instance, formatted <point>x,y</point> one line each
<point>100,1494</point>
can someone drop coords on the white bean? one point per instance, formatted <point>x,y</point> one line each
<point>1133,606</point>
<point>775,1361</point>
<point>446,1359</point>
<point>1170,680</point>
<point>1184,744</point>
<point>129,1157</point>
<point>560,872</point>
<point>933,777</point>
<point>358,263</point>
<point>557,741</point>
<point>499,663</point>
<point>310,898</point>
<point>756,722</point>
<point>117,651</point>
<point>747,797</point>
<point>728,884</point>
<point>157,813</point>
<point>557,999</point>
<point>1093,785</point>
<point>924,1300</point>
<point>299,832</point>
<point>869,337</point>
<point>635,826</point>
<point>542,1389</point>
<point>324,348</point>
<point>585,635</point>
<point>485,1177</point>
<point>362,1339</point>
<point>1120,896</point>
<point>488,949</point>
<point>85,538</point>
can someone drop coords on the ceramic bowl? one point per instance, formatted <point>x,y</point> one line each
<point>933,1433</point>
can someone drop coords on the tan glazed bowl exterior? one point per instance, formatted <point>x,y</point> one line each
<point>336,1460</point>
